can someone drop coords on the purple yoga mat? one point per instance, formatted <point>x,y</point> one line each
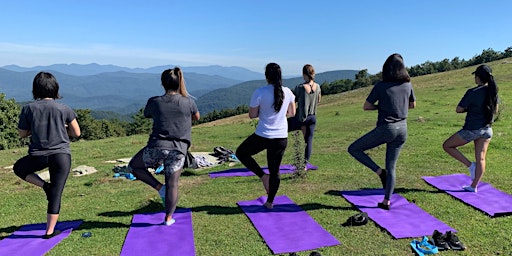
<point>28,241</point>
<point>488,199</point>
<point>148,236</point>
<point>403,220</point>
<point>244,172</point>
<point>286,228</point>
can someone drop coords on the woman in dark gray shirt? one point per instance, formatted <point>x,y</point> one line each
<point>481,104</point>
<point>49,125</point>
<point>172,115</point>
<point>395,97</point>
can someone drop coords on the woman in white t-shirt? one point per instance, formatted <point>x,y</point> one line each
<point>272,104</point>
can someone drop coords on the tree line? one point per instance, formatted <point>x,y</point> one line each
<point>94,129</point>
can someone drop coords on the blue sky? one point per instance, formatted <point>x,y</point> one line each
<point>330,35</point>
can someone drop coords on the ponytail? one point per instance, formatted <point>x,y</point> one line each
<point>172,80</point>
<point>273,75</point>
<point>491,101</point>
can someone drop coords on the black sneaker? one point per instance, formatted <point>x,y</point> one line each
<point>357,220</point>
<point>439,240</point>
<point>453,242</point>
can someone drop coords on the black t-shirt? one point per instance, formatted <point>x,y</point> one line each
<point>46,120</point>
<point>473,102</point>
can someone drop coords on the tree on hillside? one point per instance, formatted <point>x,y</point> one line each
<point>9,116</point>
<point>140,124</point>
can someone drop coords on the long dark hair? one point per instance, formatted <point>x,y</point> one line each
<point>484,72</point>
<point>273,75</point>
<point>172,80</point>
<point>45,85</point>
<point>394,69</point>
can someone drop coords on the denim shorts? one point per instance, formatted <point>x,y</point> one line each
<point>172,160</point>
<point>471,135</point>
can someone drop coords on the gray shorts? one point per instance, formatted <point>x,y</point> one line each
<point>172,160</point>
<point>471,135</point>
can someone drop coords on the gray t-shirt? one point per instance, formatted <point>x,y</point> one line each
<point>473,102</point>
<point>46,120</point>
<point>172,121</point>
<point>393,100</point>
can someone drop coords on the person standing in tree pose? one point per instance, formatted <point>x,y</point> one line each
<point>395,97</point>
<point>172,115</point>
<point>480,105</point>
<point>272,104</point>
<point>49,125</point>
<point>308,96</point>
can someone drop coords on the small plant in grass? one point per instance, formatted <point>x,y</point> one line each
<point>298,155</point>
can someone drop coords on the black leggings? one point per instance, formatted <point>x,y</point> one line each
<point>275,151</point>
<point>59,166</point>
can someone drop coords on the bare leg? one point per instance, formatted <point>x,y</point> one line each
<point>51,221</point>
<point>450,146</point>
<point>481,146</point>
<point>171,199</point>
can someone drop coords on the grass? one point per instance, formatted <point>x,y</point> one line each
<point>106,205</point>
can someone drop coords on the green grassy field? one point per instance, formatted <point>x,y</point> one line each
<point>106,205</point>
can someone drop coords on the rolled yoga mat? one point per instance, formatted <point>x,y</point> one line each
<point>286,228</point>
<point>148,236</point>
<point>28,240</point>
<point>403,220</point>
<point>488,199</point>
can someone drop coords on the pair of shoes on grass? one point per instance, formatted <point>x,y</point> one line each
<point>446,241</point>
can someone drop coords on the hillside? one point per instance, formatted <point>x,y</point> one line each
<point>107,205</point>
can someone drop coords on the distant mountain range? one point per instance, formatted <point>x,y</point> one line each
<point>125,90</point>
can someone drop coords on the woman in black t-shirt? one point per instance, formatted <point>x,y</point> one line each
<point>481,104</point>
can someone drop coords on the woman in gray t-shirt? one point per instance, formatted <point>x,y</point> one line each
<point>395,97</point>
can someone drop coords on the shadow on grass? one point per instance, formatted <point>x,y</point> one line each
<point>212,209</point>
<point>86,225</point>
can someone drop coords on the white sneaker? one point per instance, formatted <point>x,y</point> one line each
<point>472,169</point>
<point>168,223</point>
<point>470,189</point>
<point>161,192</point>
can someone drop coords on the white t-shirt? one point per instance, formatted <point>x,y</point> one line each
<point>272,124</point>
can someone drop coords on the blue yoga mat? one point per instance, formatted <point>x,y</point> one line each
<point>286,228</point>
<point>148,236</point>
<point>488,199</point>
<point>403,220</point>
<point>28,240</point>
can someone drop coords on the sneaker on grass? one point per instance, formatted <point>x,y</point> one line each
<point>439,239</point>
<point>454,242</point>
